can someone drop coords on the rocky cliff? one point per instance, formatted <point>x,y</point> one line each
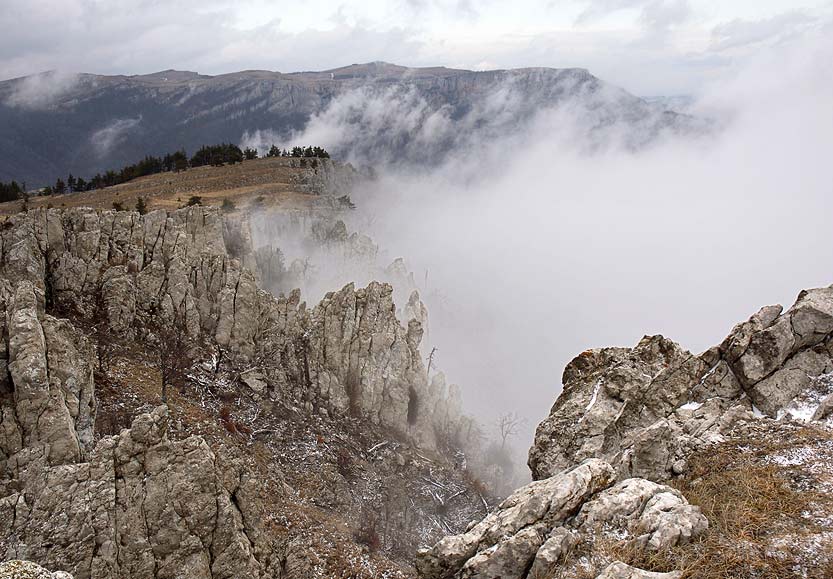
<point>348,354</point>
<point>744,428</point>
<point>98,480</point>
<point>645,408</point>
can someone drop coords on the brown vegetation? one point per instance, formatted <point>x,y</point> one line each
<point>271,182</point>
<point>760,513</point>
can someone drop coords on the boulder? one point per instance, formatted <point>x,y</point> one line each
<point>619,570</point>
<point>541,505</point>
<point>533,530</point>
<point>657,516</point>
<point>608,394</point>
<point>17,569</point>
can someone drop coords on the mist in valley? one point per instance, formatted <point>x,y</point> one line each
<point>533,240</point>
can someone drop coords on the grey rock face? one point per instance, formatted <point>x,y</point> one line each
<point>641,412</point>
<point>646,408</point>
<point>364,362</point>
<point>141,506</point>
<point>540,522</point>
<point>50,368</point>
<point>506,541</point>
<point>350,354</point>
<point>138,504</point>
<point>131,266</point>
<point>657,515</point>
<point>607,392</point>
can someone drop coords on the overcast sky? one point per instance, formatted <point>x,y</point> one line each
<point>650,47</point>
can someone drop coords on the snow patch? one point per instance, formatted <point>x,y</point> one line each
<point>593,398</point>
<point>796,457</point>
<point>596,389</point>
<point>706,375</point>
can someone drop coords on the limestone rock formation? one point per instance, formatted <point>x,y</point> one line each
<point>194,267</point>
<point>326,177</point>
<point>49,400</point>
<point>636,415</point>
<point>140,503</point>
<point>645,408</point>
<point>140,506</point>
<point>530,533</point>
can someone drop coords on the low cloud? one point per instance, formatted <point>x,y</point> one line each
<point>41,91</point>
<point>400,126</point>
<point>530,247</point>
<point>111,135</point>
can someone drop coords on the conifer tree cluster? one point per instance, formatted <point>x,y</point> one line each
<point>150,165</point>
<point>275,151</point>
<point>11,191</point>
<point>217,155</point>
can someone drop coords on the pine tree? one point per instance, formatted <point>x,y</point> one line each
<point>141,206</point>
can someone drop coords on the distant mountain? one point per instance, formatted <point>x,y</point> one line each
<point>676,103</point>
<point>54,124</point>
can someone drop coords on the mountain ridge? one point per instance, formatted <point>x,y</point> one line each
<point>83,124</point>
<point>381,67</point>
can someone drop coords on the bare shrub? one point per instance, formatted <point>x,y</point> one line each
<point>367,533</point>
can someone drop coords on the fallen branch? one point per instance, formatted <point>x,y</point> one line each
<point>377,447</point>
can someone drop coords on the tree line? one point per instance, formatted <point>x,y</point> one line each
<point>213,155</point>
<point>11,191</point>
<point>316,152</point>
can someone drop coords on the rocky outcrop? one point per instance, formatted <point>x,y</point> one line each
<point>140,506</point>
<point>635,415</point>
<point>350,354</point>
<point>646,408</point>
<point>533,530</point>
<point>49,401</point>
<point>325,176</point>
<point>127,266</point>
<point>774,357</point>
<point>364,362</point>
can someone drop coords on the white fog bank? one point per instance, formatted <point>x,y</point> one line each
<point>537,249</point>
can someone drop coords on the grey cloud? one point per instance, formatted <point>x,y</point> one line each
<point>41,91</point>
<point>112,134</point>
<point>655,16</point>
<point>597,9</point>
<point>743,33</point>
<point>137,36</point>
<point>660,15</point>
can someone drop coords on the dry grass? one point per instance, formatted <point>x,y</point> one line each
<point>273,181</point>
<point>750,503</point>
